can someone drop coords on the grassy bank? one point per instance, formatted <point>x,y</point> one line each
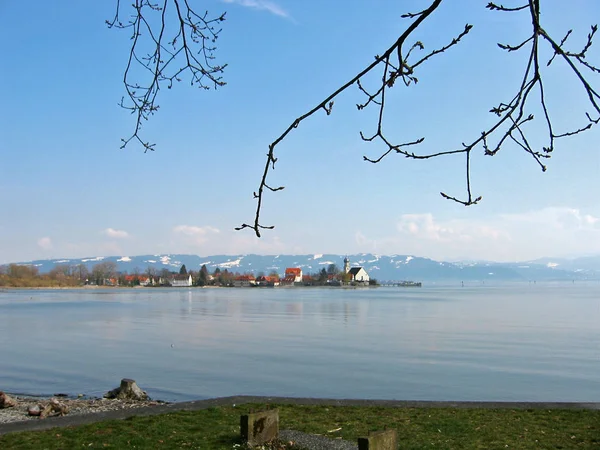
<point>218,428</point>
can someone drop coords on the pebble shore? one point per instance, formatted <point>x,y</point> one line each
<point>79,406</point>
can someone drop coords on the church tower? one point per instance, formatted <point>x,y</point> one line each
<point>346,264</point>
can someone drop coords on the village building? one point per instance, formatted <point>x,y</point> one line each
<point>267,281</point>
<point>244,281</point>
<point>294,272</point>
<point>359,275</point>
<point>180,280</point>
<point>356,274</point>
<point>287,280</point>
<point>143,280</point>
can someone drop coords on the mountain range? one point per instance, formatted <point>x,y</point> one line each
<point>383,268</point>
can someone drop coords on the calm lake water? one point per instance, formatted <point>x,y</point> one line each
<point>515,342</point>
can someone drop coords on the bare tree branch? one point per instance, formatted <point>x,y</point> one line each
<point>512,116</point>
<point>165,54</point>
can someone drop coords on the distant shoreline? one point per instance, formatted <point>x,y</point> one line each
<point>90,287</point>
<point>93,287</point>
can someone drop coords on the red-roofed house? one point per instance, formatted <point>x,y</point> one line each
<point>288,280</point>
<point>144,280</point>
<point>296,272</point>
<point>244,281</point>
<point>267,281</point>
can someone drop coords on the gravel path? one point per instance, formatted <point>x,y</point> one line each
<point>76,407</point>
<point>314,442</point>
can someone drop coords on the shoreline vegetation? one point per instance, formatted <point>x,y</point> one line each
<point>216,426</point>
<point>105,275</point>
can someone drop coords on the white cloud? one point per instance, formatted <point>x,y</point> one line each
<point>45,243</point>
<point>116,234</point>
<point>425,227</point>
<point>559,218</point>
<point>264,5</point>
<point>190,230</point>
<point>194,235</point>
<point>208,240</point>
<point>551,231</point>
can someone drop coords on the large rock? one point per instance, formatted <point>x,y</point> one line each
<point>6,401</point>
<point>128,390</point>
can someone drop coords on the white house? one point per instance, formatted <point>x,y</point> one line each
<point>181,280</point>
<point>359,275</point>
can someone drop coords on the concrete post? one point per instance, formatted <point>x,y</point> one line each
<point>379,440</point>
<point>258,428</point>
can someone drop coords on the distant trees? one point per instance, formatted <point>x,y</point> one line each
<point>183,270</point>
<point>61,272</point>
<point>17,271</point>
<point>103,271</point>
<point>81,272</point>
<point>15,275</point>
<point>332,269</point>
<point>322,277</point>
<point>164,273</point>
<point>203,276</point>
<point>224,277</point>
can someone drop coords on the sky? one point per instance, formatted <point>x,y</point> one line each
<point>67,190</point>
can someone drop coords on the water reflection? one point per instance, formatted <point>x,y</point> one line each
<point>487,343</point>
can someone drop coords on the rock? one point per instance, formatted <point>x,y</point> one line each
<point>54,407</point>
<point>45,412</point>
<point>59,407</point>
<point>128,390</point>
<point>6,401</point>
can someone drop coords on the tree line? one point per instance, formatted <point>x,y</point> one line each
<point>105,273</point>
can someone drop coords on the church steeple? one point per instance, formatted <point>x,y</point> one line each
<point>346,264</point>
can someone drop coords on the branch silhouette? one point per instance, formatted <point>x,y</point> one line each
<point>512,116</point>
<point>169,41</point>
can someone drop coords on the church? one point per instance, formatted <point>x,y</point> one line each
<point>357,274</point>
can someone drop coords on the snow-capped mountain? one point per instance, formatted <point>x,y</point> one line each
<point>383,268</point>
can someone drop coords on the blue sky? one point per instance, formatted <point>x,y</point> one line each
<point>69,191</point>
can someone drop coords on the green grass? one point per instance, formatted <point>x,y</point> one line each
<point>418,428</point>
